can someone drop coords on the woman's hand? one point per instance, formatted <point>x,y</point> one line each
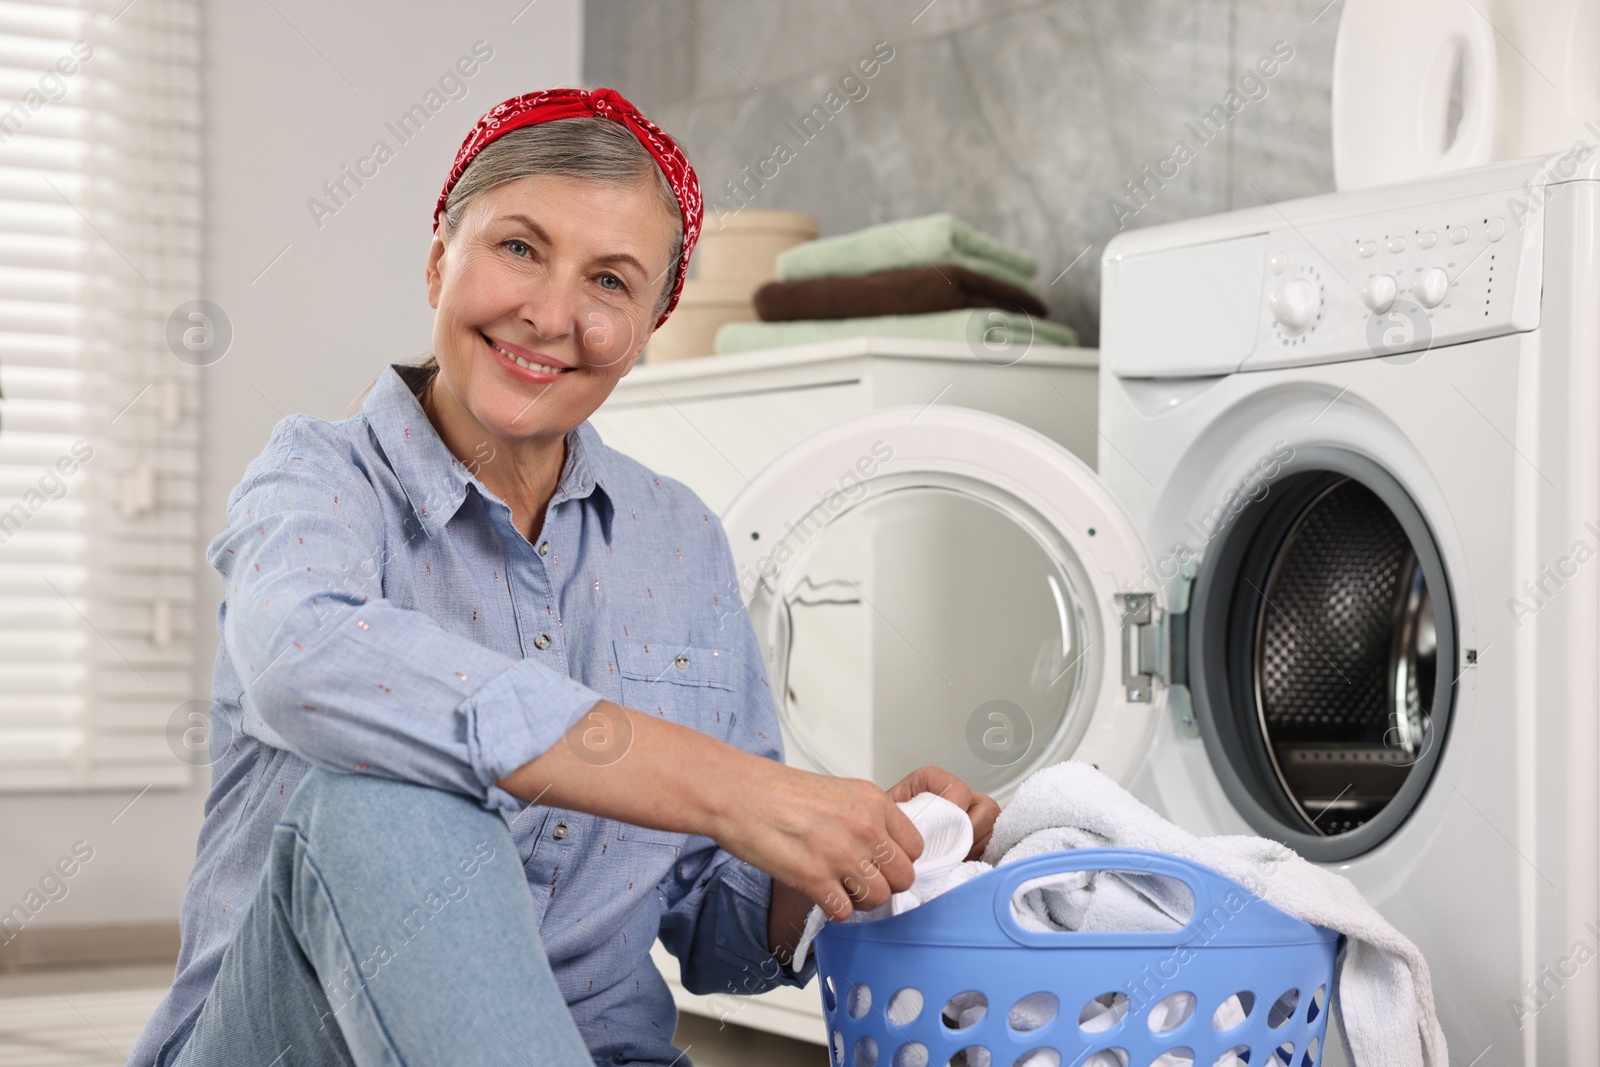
<point>981,809</point>
<point>842,842</point>
<point>787,913</point>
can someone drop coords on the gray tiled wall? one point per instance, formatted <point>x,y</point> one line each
<point>1023,117</point>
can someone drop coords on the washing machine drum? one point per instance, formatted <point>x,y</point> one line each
<point>1323,653</point>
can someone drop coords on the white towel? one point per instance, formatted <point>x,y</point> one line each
<point>1094,900</point>
<point>1383,995</point>
<point>946,839</point>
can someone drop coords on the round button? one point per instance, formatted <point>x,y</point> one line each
<point>1294,304</point>
<point>1496,228</point>
<point>1397,244</point>
<point>1427,239</point>
<point>1379,292</point>
<point>544,548</point>
<point>1279,263</point>
<point>541,642</point>
<point>681,662</point>
<point>560,831</point>
<point>1457,234</point>
<point>1366,248</point>
<point>1431,287</point>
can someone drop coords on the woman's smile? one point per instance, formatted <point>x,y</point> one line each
<point>524,365</point>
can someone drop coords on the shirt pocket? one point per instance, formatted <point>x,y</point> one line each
<point>691,666</point>
<point>688,684</point>
<point>642,835</point>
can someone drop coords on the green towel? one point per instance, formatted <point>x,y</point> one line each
<point>986,329</point>
<point>935,239</point>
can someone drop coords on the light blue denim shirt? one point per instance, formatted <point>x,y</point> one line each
<point>384,616</point>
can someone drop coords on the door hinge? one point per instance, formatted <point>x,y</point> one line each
<point>1155,647</point>
<point>1140,645</point>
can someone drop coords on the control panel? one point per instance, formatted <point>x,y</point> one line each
<point>1393,284</point>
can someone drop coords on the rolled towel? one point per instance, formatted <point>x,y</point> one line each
<point>984,328</point>
<point>930,239</point>
<point>911,291</point>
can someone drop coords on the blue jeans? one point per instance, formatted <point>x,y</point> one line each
<point>392,925</point>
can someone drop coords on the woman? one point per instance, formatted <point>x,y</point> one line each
<point>488,714</point>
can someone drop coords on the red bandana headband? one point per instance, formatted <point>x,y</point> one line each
<point>531,109</point>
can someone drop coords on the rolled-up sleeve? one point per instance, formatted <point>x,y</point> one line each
<point>717,926</point>
<point>343,678</point>
<point>717,905</point>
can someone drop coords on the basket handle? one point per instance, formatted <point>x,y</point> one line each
<point>1203,882</point>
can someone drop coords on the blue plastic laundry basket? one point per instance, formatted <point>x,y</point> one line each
<point>1087,998</point>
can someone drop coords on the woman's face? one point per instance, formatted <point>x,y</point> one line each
<point>546,294</point>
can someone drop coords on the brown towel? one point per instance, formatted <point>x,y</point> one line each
<point>912,291</point>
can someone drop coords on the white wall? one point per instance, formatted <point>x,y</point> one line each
<point>290,99</point>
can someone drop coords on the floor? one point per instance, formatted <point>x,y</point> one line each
<point>76,1018</point>
<point>91,1018</point>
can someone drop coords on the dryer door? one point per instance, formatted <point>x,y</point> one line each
<point>936,585</point>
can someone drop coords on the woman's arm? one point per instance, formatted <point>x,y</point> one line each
<point>829,840</point>
<point>342,677</point>
<point>354,683</point>
<point>841,842</point>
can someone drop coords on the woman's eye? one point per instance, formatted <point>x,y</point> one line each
<point>517,248</point>
<point>613,283</point>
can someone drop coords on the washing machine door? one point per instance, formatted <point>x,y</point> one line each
<point>936,585</point>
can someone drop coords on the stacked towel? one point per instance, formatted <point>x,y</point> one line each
<point>911,291</point>
<point>934,278</point>
<point>1382,997</point>
<point>990,329</point>
<point>935,239</point>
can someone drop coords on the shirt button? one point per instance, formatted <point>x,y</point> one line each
<point>541,642</point>
<point>544,548</point>
<point>560,831</point>
<point>681,662</point>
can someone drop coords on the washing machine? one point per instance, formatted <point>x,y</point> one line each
<point>713,423</point>
<point>1333,582</point>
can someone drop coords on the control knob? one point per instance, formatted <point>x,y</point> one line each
<point>1379,293</point>
<point>1294,304</point>
<point>1431,286</point>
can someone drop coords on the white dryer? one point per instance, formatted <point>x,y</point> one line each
<point>1335,581</point>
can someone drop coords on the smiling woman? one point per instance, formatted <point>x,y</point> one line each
<point>461,634</point>
<point>552,264</point>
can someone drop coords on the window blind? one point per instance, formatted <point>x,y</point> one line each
<point>100,230</point>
